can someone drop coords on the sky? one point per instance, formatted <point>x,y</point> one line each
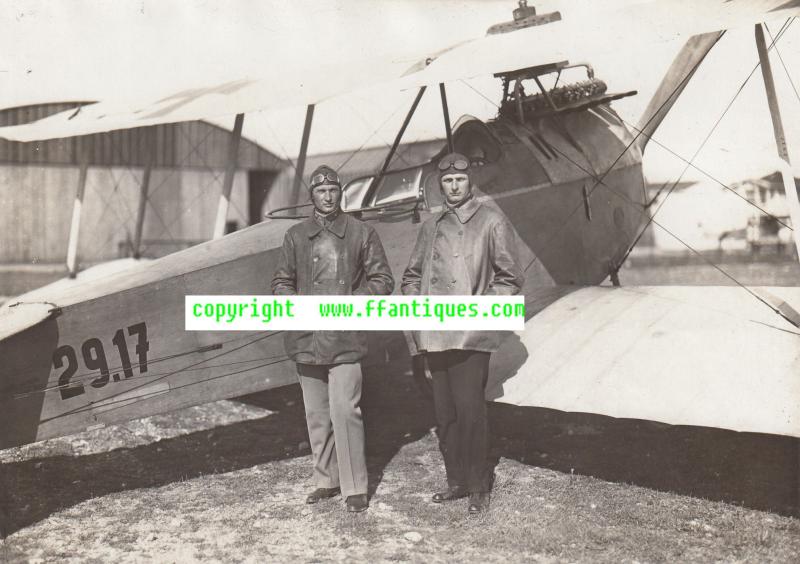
<point>88,49</point>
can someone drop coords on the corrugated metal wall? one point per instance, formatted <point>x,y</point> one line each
<point>38,182</point>
<point>188,144</point>
<point>35,215</point>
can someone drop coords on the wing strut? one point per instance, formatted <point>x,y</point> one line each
<point>399,137</point>
<point>143,189</point>
<point>446,114</point>
<point>678,75</point>
<point>780,137</point>
<point>227,184</point>
<point>75,225</point>
<point>301,159</point>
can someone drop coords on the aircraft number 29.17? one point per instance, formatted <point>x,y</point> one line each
<point>94,358</point>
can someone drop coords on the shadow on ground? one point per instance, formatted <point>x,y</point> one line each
<point>757,471</point>
<point>38,487</point>
<point>754,470</point>
<point>31,490</point>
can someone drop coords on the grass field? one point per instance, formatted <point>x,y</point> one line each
<point>774,273</point>
<point>226,482</point>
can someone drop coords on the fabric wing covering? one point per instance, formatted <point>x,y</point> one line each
<point>296,74</point>
<point>704,356</point>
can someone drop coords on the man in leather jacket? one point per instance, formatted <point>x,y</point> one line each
<point>467,249</point>
<point>332,253</point>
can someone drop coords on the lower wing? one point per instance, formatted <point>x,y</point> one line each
<point>706,356</point>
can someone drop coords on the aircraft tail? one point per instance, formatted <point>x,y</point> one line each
<point>675,80</point>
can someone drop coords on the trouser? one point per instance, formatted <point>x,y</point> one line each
<point>331,394</point>
<point>459,381</point>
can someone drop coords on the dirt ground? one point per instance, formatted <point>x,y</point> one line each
<point>225,482</point>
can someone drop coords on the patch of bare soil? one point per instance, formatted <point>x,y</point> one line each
<point>226,482</point>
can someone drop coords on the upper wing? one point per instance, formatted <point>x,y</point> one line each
<point>618,26</point>
<point>304,55</point>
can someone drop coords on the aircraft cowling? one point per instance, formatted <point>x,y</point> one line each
<point>571,184</point>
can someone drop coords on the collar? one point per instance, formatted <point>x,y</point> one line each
<point>337,226</point>
<point>326,219</point>
<point>464,212</point>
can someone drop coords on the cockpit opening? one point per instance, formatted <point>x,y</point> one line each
<point>474,140</point>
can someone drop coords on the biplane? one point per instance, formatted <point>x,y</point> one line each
<point>557,160</point>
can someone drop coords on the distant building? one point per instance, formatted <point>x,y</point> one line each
<point>708,217</point>
<point>767,227</point>
<point>38,183</point>
<point>654,190</point>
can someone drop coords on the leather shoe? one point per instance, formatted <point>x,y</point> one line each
<point>321,493</point>
<point>478,502</point>
<point>455,492</point>
<point>357,503</point>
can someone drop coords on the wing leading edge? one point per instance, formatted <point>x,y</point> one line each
<point>272,81</point>
<point>704,356</point>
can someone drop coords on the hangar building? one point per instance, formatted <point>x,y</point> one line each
<point>39,181</point>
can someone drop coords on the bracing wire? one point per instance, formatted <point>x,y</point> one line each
<point>215,181</point>
<point>89,376</point>
<point>126,401</point>
<point>92,374</point>
<point>681,241</point>
<point>783,64</point>
<point>709,176</point>
<point>398,154</point>
<point>600,181</point>
<point>106,206</point>
<point>689,163</point>
<point>481,94</point>
<point>166,375</point>
<point>639,132</point>
<point>193,150</point>
<point>367,140</point>
<point>283,149</point>
<point>107,202</point>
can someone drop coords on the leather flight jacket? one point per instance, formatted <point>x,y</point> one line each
<point>467,250</point>
<point>339,257</point>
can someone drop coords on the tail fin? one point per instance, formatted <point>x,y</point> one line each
<point>678,76</point>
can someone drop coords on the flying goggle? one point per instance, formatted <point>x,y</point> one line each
<point>457,164</point>
<point>329,177</point>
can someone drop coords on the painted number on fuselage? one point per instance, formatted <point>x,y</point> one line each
<point>94,359</point>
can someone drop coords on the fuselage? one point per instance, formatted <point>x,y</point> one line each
<point>116,349</point>
<point>571,185</point>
